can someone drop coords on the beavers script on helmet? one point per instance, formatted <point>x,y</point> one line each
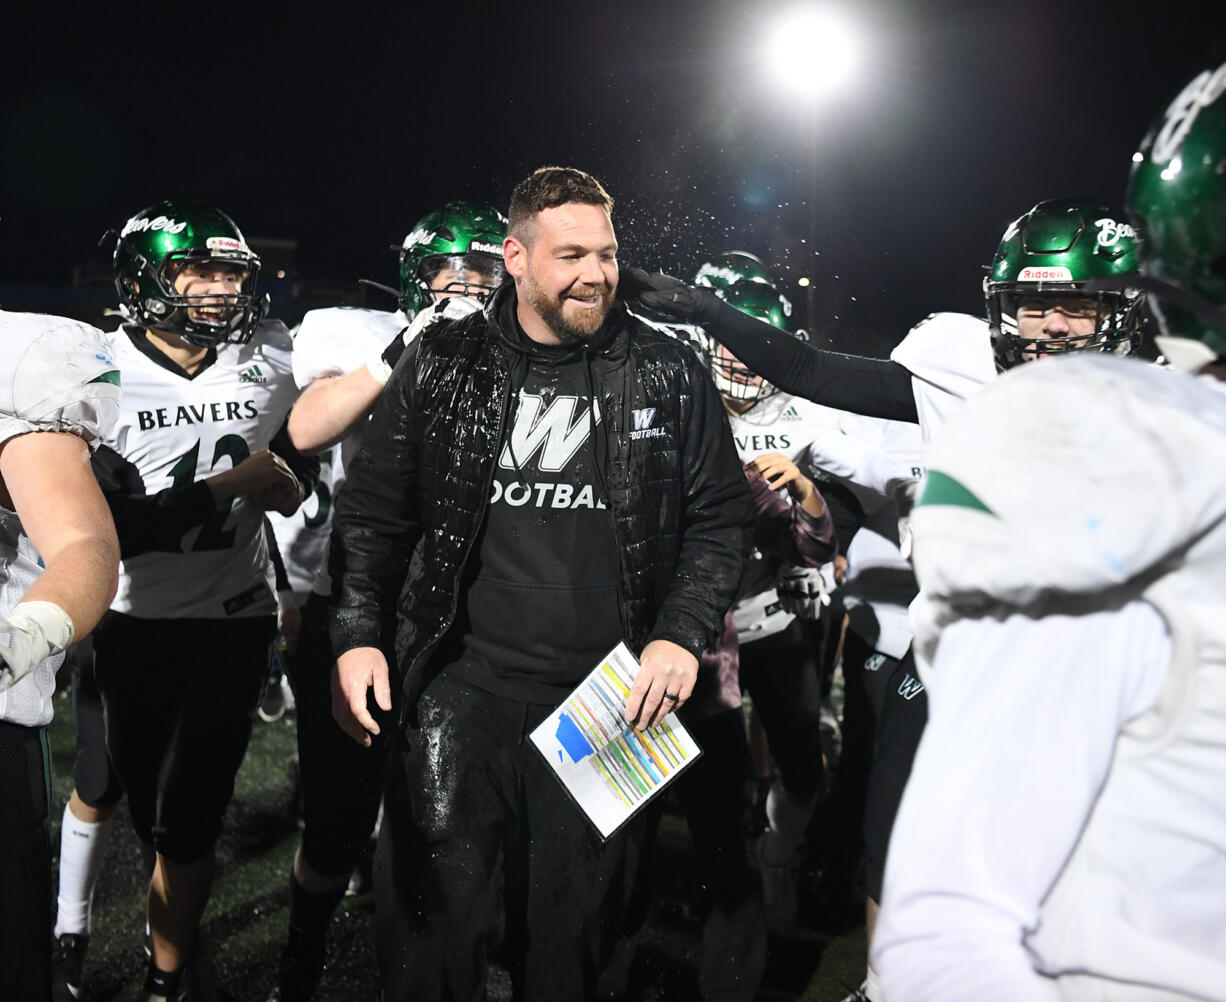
<point>609,768</point>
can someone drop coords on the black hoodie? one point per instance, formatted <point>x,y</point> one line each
<point>540,603</point>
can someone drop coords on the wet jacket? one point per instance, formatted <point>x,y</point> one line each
<point>417,493</point>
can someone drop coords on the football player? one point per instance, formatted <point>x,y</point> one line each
<point>196,457</point>
<point>1064,829</point>
<point>778,649</point>
<point>58,561</point>
<point>1037,300</point>
<point>450,262</point>
<point>1038,303</point>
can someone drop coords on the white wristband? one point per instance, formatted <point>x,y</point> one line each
<point>379,370</point>
<point>32,633</point>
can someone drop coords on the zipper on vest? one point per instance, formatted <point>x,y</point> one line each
<point>428,649</point>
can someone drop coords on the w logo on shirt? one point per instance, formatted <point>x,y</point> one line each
<point>910,686</point>
<point>555,432</point>
<point>643,428</point>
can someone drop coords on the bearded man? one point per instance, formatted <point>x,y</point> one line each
<point>541,480</point>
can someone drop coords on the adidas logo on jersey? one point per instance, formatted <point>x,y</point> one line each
<point>252,375</point>
<point>791,414</point>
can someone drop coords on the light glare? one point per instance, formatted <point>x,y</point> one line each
<point>811,52</point>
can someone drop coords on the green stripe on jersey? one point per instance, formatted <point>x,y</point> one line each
<point>110,376</point>
<point>941,488</point>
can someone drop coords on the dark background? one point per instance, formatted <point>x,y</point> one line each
<point>339,130</point>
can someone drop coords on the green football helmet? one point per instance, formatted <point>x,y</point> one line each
<point>737,267</point>
<point>460,237</point>
<point>1050,254</point>
<point>1177,202</point>
<point>734,380</point>
<point>732,268</point>
<point>151,254</point>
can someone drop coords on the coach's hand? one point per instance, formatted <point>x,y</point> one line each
<point>668,297</point>
<point>665,669</point>
<point>356,671</point>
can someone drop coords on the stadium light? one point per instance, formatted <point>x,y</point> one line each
<point>811,52</point>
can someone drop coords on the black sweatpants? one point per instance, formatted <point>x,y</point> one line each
<point>712,794</point>
<point>342,782</point>
<point>780,674</point>
<point>471,809</point>
<point>25,863</point>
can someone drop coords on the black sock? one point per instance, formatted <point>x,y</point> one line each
<point>164,983</point>
<point>309,914</point>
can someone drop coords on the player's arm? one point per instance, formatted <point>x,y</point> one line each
<point>50,485</point>
<point>147,522</point>
<point>1023,717</point>
<point>331,406</point>
<point>873,387</point>
<point>375,527</point>
<point>799,531</point>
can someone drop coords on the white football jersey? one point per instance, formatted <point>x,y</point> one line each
<point>328,342</point>
<point>787,425</point>
<point>55,375</point>
<point>878,576</point>
<point>1076,485</point>
<point>949,356</point>
<point>334,342</point>
<point>339,339</point>
<point>176,430</point>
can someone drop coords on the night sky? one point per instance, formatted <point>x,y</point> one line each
<point>340,131</point>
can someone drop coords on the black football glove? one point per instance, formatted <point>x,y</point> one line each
<point>668,298</point>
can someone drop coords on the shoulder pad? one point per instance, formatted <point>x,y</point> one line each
<point>57,374</point>
<point>1069,476</point>
<point>951,350</point>
<point>340,339</point>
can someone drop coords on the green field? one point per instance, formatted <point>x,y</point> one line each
<point>247,914</point>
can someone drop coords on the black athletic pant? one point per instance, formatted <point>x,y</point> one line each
<point>900,707</point>
<point>780,673</point>
<point>342,782</point>
<point>178,696</point>
<point>25,863</point>
<point>471,808</point>
<point>712,794</point>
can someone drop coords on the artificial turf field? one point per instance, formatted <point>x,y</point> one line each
<point>246,917</point>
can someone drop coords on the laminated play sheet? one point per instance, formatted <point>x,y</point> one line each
<point>610,769</point>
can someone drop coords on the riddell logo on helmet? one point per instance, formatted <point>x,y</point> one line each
<point>1045,275</point>
<point>225,244</point>
<point>156,223</point>
<point>481,247</point>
